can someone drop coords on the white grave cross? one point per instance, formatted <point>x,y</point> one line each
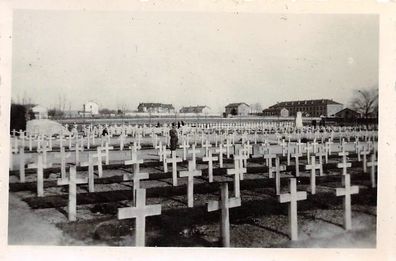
<point>292,199</point>
<point>139,212</point>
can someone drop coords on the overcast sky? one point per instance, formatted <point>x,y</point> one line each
<point>123,58</point>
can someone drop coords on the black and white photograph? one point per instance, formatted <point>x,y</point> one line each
<point>134,128</point>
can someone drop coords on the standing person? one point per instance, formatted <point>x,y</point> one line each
<point>173,137</point>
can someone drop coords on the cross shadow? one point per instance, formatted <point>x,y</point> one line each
<point>365,212</point>
<point>177,200</point>
<point>166,182</point>
<point>321,219</point>
<point>63,212</point>
<point>127,171</point>
<point>251,222</point>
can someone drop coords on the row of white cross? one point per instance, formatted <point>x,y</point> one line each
<point>192,172</point>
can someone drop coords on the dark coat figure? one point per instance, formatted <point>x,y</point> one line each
<point>104,132</point>
<point>173,138</point>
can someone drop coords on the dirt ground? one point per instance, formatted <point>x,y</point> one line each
<point>261,221</point>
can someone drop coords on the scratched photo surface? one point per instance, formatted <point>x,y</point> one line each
<point>193,129</point>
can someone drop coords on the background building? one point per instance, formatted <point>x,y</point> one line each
<point>40,112</point>
<point>91,108</point>
<point>347,114</point>
<point>241,109</point>
<point>204,110</point>
<point>309,108</point>
<point>156,108</point>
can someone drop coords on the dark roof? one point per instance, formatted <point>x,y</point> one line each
<point>304,102</point>
<point>155,105</point>
<point>236,104</point>
<point>353,112</point>
<point>193,109</point>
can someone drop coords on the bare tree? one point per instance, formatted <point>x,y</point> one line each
<point>365,102</point>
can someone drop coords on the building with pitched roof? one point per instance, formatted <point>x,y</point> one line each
<point>156,108</point>
<point>309,108</point>
<point>195,109</point>
<point>240,109</point>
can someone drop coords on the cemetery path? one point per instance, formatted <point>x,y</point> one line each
<point>28,228</point>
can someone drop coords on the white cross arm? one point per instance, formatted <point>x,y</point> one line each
<point>213,205</point>
<point>301,195</point>
<point>234,202</point>
<point>341,191</point>
<point>131,212</point>
<point>193,173</point>
<point>308,167</point>
<point>64,182</point>
<point>341,165</point>
<point>371,164</point>
<point>131,162</point>
<point>128,177</point>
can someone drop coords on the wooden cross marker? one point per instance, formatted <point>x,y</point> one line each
<point>320,155</point>
<point>283,145</point>
<point>365,153</point>
<point>347,191</point>
<point>300,146</point>
<point>77,153</point>
<point>220,151</point>
<point>44,151</point>
<point>210,160</point>
<point>237,172</point>
<point>240,160</point>
<point>269,158</point>
<point>185,146</point>
<point>193,151</point>
<point>165,158</point>
<point>134,161</point>
<point>99,156</point>
<point>308,150</point>
<point>207,146</point>
<point>328,146</point>
<point>72,182</point>
<point>373,164</point>
<point>107,148</point>
<point>313,167</point>
<point>224,204</point>
<point>63,156</point>
<point>160,153</point>
<point>174,160</point>
<point>344,165</point>
<point>292,199</point>
<point>22,137</point>
<point>242,157</point>
<point>190,174</point>
<point>297,164</point>
<point>91,178</point>
<point>227,146</point>
<point>122,140</point>
<point>278,169</point>
<point>289,149</point>
<point>40,174</point>
<point>315,146</point>
<point>22,165</point>
<point>135,177</point>
<point>248,148</point>
<point>139,212</point>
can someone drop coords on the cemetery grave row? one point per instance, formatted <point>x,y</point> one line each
<point>140,177</point>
